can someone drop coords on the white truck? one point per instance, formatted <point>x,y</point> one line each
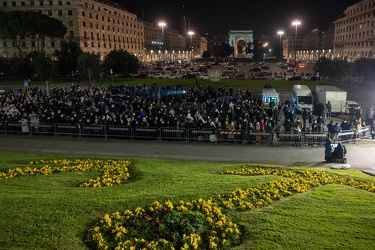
<point>335,95</point>
<point>302,98</point>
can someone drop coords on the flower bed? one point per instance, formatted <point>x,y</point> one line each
<point>199,224</point>
<point>112,171</point>
<point>295,182</point>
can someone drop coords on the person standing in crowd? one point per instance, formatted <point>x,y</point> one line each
<point>329,109</point>
<point>373,130</point>
<point>276,115</point>
<point>345,126</point>
<point>331,131</point>
<point>370,115</point>
<point>304,116</point>
<point>297,130</point>
<point>328,150</point>
<point>357,128</point>
<point>336,130</point>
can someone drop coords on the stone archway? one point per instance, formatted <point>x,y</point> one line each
<point>371,55</point>
<point>242,42</point>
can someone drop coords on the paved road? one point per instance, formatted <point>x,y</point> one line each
<point>360,155</point>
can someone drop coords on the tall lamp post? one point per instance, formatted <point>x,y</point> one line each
<point>280,33</point>
<point>296,23</point>
<point>162,24</point>
<point>191,33</point>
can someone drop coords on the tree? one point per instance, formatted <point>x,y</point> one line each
<point>67,57</point>
<point>89,66</point>
<point>41,65</point>
<point>323,67</point>
<point>17,25</point>
<point>216,50</point>
<point>206,54</point>
<point>364,67</point>
<point>339,68</point>
<point>222,50</point>
<point>227,49</point>
<point>121,62</point>
<point>257,51</point>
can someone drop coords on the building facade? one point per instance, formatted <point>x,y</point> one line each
<point>292,45</point>
<point>166,45</point>
<point>98,26</point>
<point>350,37</point>
<point>355,32</point>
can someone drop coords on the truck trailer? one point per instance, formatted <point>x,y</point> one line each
<point>335,95</point>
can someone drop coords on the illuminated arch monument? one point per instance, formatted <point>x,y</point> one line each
<point>242,42</point>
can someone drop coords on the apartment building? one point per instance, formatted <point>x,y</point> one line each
<point>292,46</point>
<point>168,45</point>
<point>98,26</point>
<point>355,32</point>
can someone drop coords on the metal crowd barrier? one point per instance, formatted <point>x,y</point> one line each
<point>258,137</point>
<point>226,135</point>
<point>314,139</point>
<point>290,138</point>
<point>41,128</point>
<point>93,131</point>
<point>173,134</point>
<point>145,134</point>
<point>2,128</point>
<point>17,128</point>
<point>65,129</point>
<point>120,132</point>
<point>204,135</point>
<point>177,134</point>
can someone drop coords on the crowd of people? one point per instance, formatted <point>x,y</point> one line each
<point>153,106</point>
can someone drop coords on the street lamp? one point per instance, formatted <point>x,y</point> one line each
<point>191,33</point>
<point>296,23</point>
<point>162,24</point>
<point>280,33</point>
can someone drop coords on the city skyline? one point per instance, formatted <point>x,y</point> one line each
<point>265,16</point>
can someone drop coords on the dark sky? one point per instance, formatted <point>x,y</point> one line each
<point>261,16</point>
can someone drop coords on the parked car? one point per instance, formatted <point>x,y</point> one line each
<point>224,76</point>
<point>229,71</point>
<point>265,66</point>
<point>256,69</point>
<point>158,76</point>
<point>295,78</point>
<point>142,75</point>
<point>205,76</point>
<point>260,76</point>
<point>173,76</point>
<point>188,76</point>
<point>290,69</point>
<point>351,105</point>
<point>241,77</point>
<point>312,78</point>
<point>279,77</point>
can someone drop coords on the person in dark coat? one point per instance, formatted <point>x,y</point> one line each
<point>328,150</point>
<point>339,151</point>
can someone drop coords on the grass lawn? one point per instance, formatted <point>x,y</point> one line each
<point>51,212</point>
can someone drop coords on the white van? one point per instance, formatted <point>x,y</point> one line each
<point>269,94</point>
<point>302,98</point>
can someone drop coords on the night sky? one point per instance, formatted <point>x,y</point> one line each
<point>261,16</point>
